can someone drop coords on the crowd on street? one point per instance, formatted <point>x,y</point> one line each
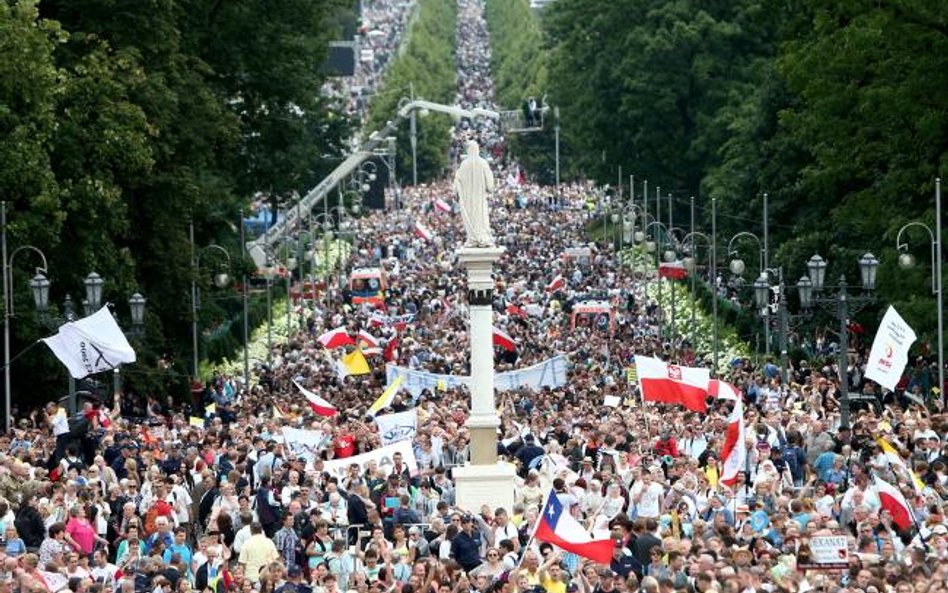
<point>223,500</point>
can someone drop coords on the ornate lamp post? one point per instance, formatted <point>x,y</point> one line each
<point>221,279</point>
<point>842,305</point>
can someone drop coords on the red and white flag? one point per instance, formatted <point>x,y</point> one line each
<point>558,283</point>
<point>336,338</point>
<point>316,403</point>
<point>423,232</point>
<point>674,270</point>
<point>673,384</point>
<point>892,500</point>
<point>515,311</point>
<point>734,451</point>
<point>503,340</point>
<point>391,350</point>
<point>442,206</point>
<point>368,339</point>
<point>723,390</point>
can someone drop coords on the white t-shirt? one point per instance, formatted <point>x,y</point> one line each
<point>60,422</point>
<point>650,504</point>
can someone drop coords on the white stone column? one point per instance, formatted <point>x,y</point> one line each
<point>484,480</point>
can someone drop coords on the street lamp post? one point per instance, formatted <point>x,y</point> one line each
<point>737,268</point>
<point>907,260</point>
<point>690,265</point>
<point>221,279</point>
<point>246,305</point>
<point>556,141</point>
<point>40,287</point>
<point>842,305</point>
<point>714,285</point>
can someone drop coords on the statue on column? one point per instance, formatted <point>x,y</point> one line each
<point>473,181</point>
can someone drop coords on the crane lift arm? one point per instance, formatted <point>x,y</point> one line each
<point>257,249</point>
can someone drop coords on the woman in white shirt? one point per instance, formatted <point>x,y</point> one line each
<point>613,503</point>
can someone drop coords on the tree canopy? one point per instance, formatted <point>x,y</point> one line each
<point>831,107</point>
<point>122,120</point>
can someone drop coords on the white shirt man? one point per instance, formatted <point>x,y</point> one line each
<point>102,571</point>
<point>647,495</point>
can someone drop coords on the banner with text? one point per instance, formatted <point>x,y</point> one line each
<point>397,427</point>
<point>383,458</point>
<point>304,443</point>
<point>549,373</point>
<point>889,353</point>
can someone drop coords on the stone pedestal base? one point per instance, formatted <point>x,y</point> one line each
<point>478,485</point>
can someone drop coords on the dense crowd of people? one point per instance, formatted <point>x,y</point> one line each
<point>224,504</point>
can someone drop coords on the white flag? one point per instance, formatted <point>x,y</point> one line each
<point>91,345</point>
<point>889,353</point>
<point>397,427</point>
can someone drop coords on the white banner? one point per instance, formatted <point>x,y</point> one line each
<point>889,353</point>
<point>383,458</point>
<point>549,373</point>
<point>397,427</point>
<point>304,443</point>
<point>91,345</point>
<point>825,552</point>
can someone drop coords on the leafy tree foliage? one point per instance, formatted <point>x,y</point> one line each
<point>122,120</point>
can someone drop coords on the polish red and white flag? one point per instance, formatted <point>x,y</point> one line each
<point>557,283</point>
<point>734,451</point>
<point>891,500</point>
<point>503,340</point>
<point>336,338</point>
<point>316,403</point>
<point>673,384</point>
<point>368,339</point>
<point>443,206</point>
<point>423,232</point>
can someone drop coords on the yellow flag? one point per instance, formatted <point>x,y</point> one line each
<point>894,458</point>
<point>385,400</point>
<point>211,409</point>
<point>196,422</point>
<point>355,363</point>
<point>441,385</point>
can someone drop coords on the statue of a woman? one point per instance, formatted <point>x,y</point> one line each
<point>473,181</point>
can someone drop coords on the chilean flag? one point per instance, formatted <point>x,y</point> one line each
<point>558,283</point>
<point>443,206</point>
<point>559,528</point>
<point>503,340</point>
<point>892,500</point>
<point>316,403</point>
<point>336,338</point>
<point>673,384</point>
<point>733,452</point>
<point>423,232</point>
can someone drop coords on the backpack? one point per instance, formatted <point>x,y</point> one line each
<point>791,456</point>
<point>159,509</point>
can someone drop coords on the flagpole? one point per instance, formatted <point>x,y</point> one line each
<point>536,526</point>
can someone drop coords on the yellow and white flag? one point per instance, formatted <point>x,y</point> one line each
<point>385,400</point>
<point>894,458</point>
